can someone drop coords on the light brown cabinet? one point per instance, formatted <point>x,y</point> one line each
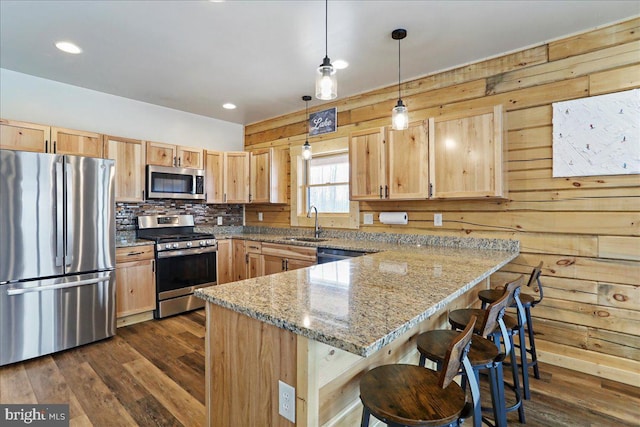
<point>389,164</point>
<point>135,280</point>
<point>45,139</point>
<point>162,154</point>
<point>239,260</point>
<point>129,155</point>
<point>225,261</point>
<point>268,176</point>
<point>253,259</point>
<point>277,258</point>
<point>227,176</point>
<point>466,154</point>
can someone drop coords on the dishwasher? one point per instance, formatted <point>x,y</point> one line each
<point>326,255</point>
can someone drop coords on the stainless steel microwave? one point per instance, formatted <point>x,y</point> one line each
<point>174,183</point>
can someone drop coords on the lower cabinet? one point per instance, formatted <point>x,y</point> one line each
<point>277,258</point>
<point>135,282</point>
<point>225,261</point>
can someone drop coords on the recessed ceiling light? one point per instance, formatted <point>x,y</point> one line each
<point>229,106</point>
<point>68,47</point>
<point>340,64</point>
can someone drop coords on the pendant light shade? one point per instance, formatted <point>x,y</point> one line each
<point>306,148</point>
<point>400,113</point>
<point>326,81</point>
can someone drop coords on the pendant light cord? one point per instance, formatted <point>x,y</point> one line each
<point>399,97</point>
<point>326,28</point>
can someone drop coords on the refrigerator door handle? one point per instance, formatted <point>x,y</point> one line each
<point>59,214</point>
<point>11,292</point>
<point>69,220</point>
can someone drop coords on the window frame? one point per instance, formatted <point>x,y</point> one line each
<point>298,213</point>
<point>307,172</point>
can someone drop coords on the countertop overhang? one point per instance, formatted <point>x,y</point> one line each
<point>360,304</point>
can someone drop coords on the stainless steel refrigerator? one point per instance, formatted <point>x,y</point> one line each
<point>57,253</point>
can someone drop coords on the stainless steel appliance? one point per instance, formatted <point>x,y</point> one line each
<point>174,183</point>
<point>185,261</point>
<point>326,255</point>
<point>57,253</point>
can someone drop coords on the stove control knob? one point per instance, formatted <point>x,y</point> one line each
<point>202,243</point>
<point>189,244</point>
<point>209,242</point>
<point>175,246</point>
<point>168,246</point>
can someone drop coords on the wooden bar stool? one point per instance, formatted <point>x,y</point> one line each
<point>409,395</point>
<point>527,301</point>
<point>483,354</point>
<point>459,318</point>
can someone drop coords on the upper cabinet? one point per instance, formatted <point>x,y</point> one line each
<point>389,165</point>
<point>45,139</point>
<point>161,154</point>
<point>466,154</point>
<point>268,176</point>
<point>24,136</point>
<point>129,155</point>
<point>227,176</point>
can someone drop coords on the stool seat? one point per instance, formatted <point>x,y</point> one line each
<point>433,345</point>
<point>409,395</point>
<point>459,318</point>
<point>488,296</point>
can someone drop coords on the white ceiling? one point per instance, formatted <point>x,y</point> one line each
<point>261,55</point>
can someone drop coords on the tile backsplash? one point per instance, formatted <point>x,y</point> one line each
<point>203,214</point>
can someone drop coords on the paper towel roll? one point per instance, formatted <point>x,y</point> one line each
<point>394,217</point>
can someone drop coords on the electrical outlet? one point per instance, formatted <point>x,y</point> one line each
<point>219,220</point>
<point>287,401</point>
<point>260,216</point>
<point>368,219</point>
<point>437,220</point>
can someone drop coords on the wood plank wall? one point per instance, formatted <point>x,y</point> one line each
<point>586,230</point>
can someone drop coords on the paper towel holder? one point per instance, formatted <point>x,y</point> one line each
<point>394,218</point>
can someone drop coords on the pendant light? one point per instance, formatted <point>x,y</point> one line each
<point>306,148</point>
<point>326,81</point>
<point>399,114</point>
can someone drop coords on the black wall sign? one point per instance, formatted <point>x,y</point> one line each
<point>323,122</point>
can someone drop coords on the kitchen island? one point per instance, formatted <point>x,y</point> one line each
<point>319,328</point>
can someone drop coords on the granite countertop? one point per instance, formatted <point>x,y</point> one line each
<point>360,304</point>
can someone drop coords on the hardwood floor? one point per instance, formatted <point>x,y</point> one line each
<point>152,374</point>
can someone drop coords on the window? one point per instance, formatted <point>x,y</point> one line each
<point>327,185</point>
<point>323,182</point>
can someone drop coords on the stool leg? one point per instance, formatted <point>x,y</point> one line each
<point>423,360</point>
<point>499,407</point>
<point>532,343</point>
<point>365,417</point>
<point>524,360</point>
<point>516,382</point>
<point>497,398</point>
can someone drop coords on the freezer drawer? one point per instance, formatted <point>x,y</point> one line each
<point>44,316</point>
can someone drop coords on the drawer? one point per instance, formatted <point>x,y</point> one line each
<point>253,247</point>
<point>134,253</point>
<point>289,251</point>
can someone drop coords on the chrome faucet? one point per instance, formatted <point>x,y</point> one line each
<point>317,229</point>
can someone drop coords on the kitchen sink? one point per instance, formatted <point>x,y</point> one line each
<point>306,239</point>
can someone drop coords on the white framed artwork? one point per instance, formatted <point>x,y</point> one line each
<point>599,135</point>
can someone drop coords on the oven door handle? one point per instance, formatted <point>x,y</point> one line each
<point>192,251</point>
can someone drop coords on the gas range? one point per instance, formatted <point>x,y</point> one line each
<point>185,260</point>
<point>174,233</point>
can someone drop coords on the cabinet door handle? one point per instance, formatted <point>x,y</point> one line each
<point>54,147</point>
<point>286,265</point>
<point>179,161</point>
<point>283,266</point>
<point>174,162</point>
<point>142,194</point>
<point>134,253</point>
<point>386,191</point>
<point>46,146</point>
<point>224,199</point>
<point>153,265</point>
<point>249,197</point>
<point>381,191</point>
<point>246,258</point>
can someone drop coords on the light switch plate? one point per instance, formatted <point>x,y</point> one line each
<point>260,216</point>
<point>287,401</point>
<point>219,220</point>
<point>437,220</point>
<point>368,219</point>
